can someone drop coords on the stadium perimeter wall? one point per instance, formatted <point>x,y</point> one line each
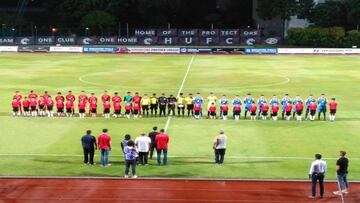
<point>176,50</point>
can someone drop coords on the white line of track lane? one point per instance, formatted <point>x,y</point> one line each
<point>181,88</point>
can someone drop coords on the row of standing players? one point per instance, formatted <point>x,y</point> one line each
<point>137,106</point>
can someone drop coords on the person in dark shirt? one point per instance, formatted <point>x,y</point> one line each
<point>342,170</point>
<point>89,146</point>
<point>162,101</point>
<point>171,105</point>
<point>124,142</point>
<point>152,136</point>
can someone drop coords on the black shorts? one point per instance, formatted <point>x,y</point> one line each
<point>189,106</point>
<point>145,107</point>
<point>312,112</point>
<point>224,113</point>
<point>93,110</point>
<point>171,106</point>
<point>196,113</point>
<point>81,110</point>
<point>236,113</point>
<point>107,110</point>
<point>288,113</point>
<point>264,113</point>
<point>127,112</point>
<point>253,113</point>
<point>274,113</point>
<point>162,106</point>
<point>212,113</point>
<point>61,110</point>
<point>49,108</point>
<point>33,108</point>
<point>299,112</point>
<point>26,109</point>
<point>41,107</point>
<point>117,112</point>
<point>153,106</point>
<point>69,110</point>
<point>15,109</point>
<point>136,112</point>
<point>332,111</point>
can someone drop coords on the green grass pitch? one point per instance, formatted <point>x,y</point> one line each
<point>258,149</point>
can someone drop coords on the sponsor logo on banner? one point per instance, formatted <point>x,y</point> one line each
<point>65,40</point>
<point>209,33</point>
<point>261,51</point>
<point>66,49</point>
<point>8,48</point>
<point>100,49</point>
<point>106,40</point>
<point>86,40</point>
<point>250,41</point>
<point>187,32</point>
<point>229,32</point>
<point>195,50</point>
<point>45,40</point>
<point>127,40</point>
<point>166,32</point>
<point>271,41</point>
<point>229,50</point>
<point>153,50</point>
<point>317,51</point>
<point>7,40</point>
<point>145,32</point>
<point>148,41</point>
<point>24,40</point>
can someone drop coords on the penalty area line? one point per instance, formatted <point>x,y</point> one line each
<point>181,88</point>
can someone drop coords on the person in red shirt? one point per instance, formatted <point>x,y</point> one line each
<point>162,141</point>
<point>26,105</point>
<point>32,94</point>
<point>299,109</point>
<point>60,105</point>
<point>42,107</point>
<point>93,104</point>
<point>288,109</point>
<point>137,100</point>
<point>212,111</point>
<point>18,98</point>
<point>69,108</point>
<point>116,98</point>
<point>264,110</point>
<point>46,96</point>
<point>236,112</point>
<point>59,97</point>
<point>197,109</point>
<point>105,97</point>
<point>70,97</point>
<point>106,106</point>
<point>33,105</point>
<point>332,107</point>
<point>16,107</point>
<point>128,108</point>
<point>117,109</point>
<point>136,109</point>
<point>224,111</point>
<point>312,108</point>
<point>50,106</point>
<point>274,111</point>
<point>104,145</point>
<point>82,96</point>
<point>82,107</point>
<point>253,109</point>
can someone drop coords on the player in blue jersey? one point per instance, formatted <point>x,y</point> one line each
<point>198,100</point>
<point>284,102</point>
<point>296,100</point>
<point>274,101</point>
<point>260,102</point>
<point>236,102</point>
<point>248,101</point>
<point>322,102</point>
<point>223,101</point>
<point>307,104</point>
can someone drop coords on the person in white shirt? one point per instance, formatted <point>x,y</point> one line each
<point>219,146</point>
<point>317,172</point>
<point>143,144</point>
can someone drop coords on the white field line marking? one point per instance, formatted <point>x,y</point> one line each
<point>180,89</point>
<point>204,157</point>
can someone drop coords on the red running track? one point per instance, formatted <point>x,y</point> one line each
<point>163,190</point>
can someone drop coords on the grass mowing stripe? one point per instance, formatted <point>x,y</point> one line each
<point>181,87</point>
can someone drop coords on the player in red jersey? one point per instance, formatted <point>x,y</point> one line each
<point>93,108</point>
<point>82,96</point>
<point>128,108</point>
<point>288,109</point>
<point>264,110</point>
<point>50,106</point>
<point>71,97</point>
<point>33,105</point>
<point>332,107</point>
<point>274,111</point>
<point>46,96</point>
<point>32,94</point>
<point>59,97</point>
<point>236,112</point>
<point>299,109</point>
<point>105,97</point>
<point>197,109</point>
<point>69,108</point>
<point>312,108</point>
<point>212,111</point>
<point>106,106</point>
<point>18,98</point>
<point>60,106</point>
<point>26,105</point>
<point>16,107</point>
<point>253,109</point>
<point>136,110</point>
<point>137,100</point>
<point>42,107</point>
<point>224,111</point>
<point>117,109</point>
<point>82,107</point>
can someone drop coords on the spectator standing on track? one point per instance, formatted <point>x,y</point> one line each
<point>317,173</point>
<point>130,159</point>
<point>219,146</point>
<point>162,141</point>
<point>152,136</point>
<point>342,171</point>
<point>142,144</point>
<point>89,146</point>
<point>104,143</point>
